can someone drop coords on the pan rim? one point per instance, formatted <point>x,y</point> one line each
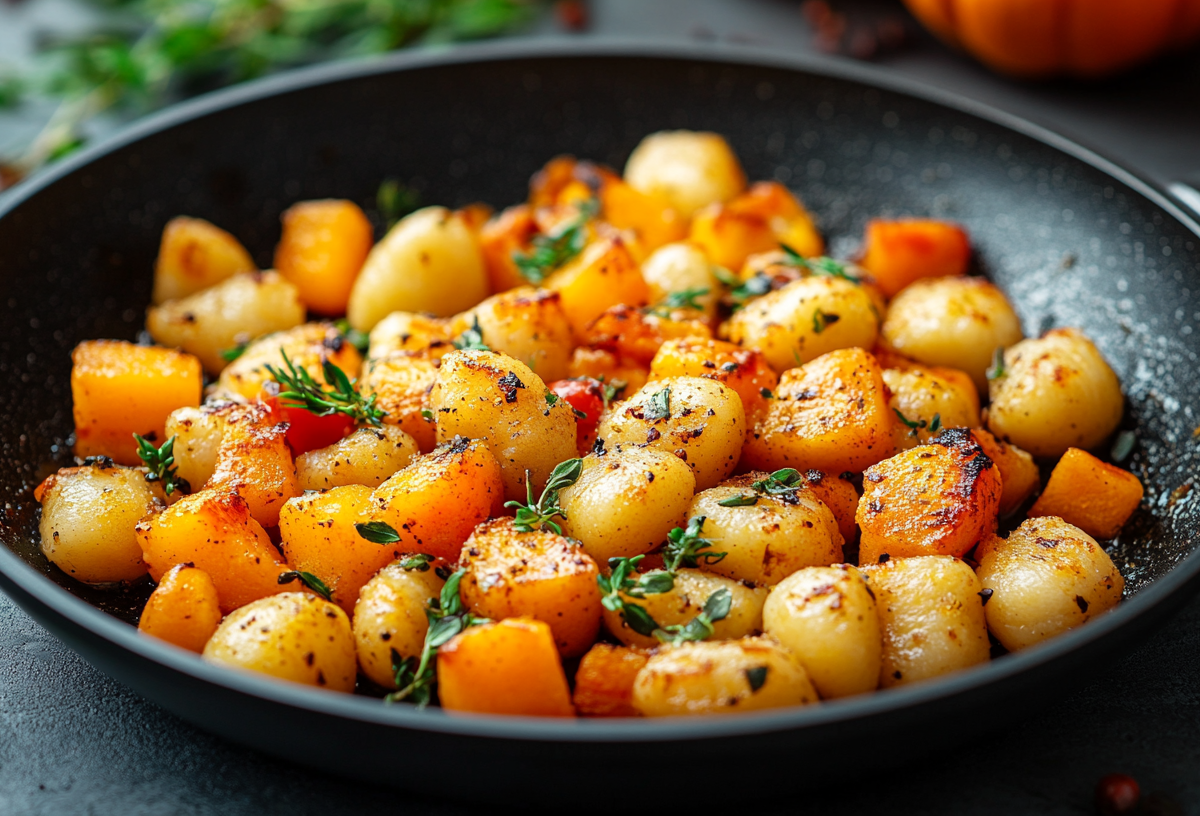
<point>78,612</point>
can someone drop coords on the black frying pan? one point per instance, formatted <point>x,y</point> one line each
<point>1073,239</point>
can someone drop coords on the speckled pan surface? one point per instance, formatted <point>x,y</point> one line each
<point>1072,239</point>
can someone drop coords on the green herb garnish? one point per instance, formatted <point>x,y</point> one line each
<point>309,580</point>
<point>917,425</point>
<point>231,354</point>
<point>552,250</point>
<point>766,393</point>
<point>822,320</point>
<point>141,53</point>
<point>394,201</point>
<point>377,532</point>
<point>304,392</point>
<point>416,678</point>
<point>619,583</point>
<point>417,562</point>
<point>685,299</point>
<point>533,516</point>
<point>471,339</point>
<point>997,369</point>
<point>756,677</point>
<point>700,627</point>
<point>740,500</point>
<point>686,547</point>
<point>360,340</point>
<point>659,406</point>
<point>160,462</point>
<point>756,286</point>
<point>819,266</point>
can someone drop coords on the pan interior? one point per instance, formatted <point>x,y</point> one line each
<point>1071,245</point>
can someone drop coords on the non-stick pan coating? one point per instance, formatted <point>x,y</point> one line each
<point>1073,240</point>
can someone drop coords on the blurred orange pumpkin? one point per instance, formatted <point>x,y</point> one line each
<point>1085,38</point>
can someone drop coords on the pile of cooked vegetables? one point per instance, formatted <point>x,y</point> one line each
<point>611,452</point>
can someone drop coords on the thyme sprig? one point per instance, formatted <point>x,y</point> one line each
<point>687,548</point>
<point>683,299</point>
<point>700,627</point>
<point>341,398</point>
<point>783,484</point>
<point>552,250</point>
<point>416,677</point>
<point>360,340</point>
<point>820,266</point>
<point>160,462</point>
<point>618,585</point>
<point>533,516</point>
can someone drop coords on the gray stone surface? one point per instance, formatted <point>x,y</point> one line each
<point>73,741</point>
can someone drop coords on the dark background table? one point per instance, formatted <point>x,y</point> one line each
<point>73,741</point>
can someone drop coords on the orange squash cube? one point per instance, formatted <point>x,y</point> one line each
<point>758,220</point>
<point>323,247</point>
<point>606,366</point>
<point>195,255</point>
<point>604,682</point>
<point>744,370</point>
<point>255,461</point>
<point>505,234</point>
<point>838,494</point>
<point>830,414</point>
<point>637,335</point>
<point>510,667</point>
<point>437,501</point>
<point>183,609</point>
<point>319,536</point>
<point>1095,496</point>
<point>214,531</point>
<point>121,389</point>
<point>603,275</point>
<point>900,252</point>
<point>936,499</point>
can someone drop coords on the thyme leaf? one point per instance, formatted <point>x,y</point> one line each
<point>309,580</point>
<point>550,251</point>
<point>533,516</point>
<point>160,462</point>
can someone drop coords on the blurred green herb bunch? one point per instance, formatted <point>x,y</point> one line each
<point>149,52</point>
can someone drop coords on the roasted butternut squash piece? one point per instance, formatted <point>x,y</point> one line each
<point>410,333</point>
<point>323,247</point>
<point>306,347</point>
<point>183,609</point>
<point>902,251</point>
<point>746,371</point>
<point>254,461</point>
<point>319,536</point>
<point>538,575</point>
<point>509,667</point>
<point>1018,472</point>
<point>500,238</point>
<point>839,495</point>
<point>214,531</point>
<point>758,220</point>
<point>830,415</point>
<point>604,682</point>
<point>607,367</point>
<point>636,335</point>
<point>936,499</point>
<point>401,384</point>
<point>602,275</point>
<point>1095,496</point>
<point>195,255</point>
<point>437,501</point>
<point>120,389</point>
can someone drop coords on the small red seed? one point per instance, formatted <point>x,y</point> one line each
<point>1117,794</point>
